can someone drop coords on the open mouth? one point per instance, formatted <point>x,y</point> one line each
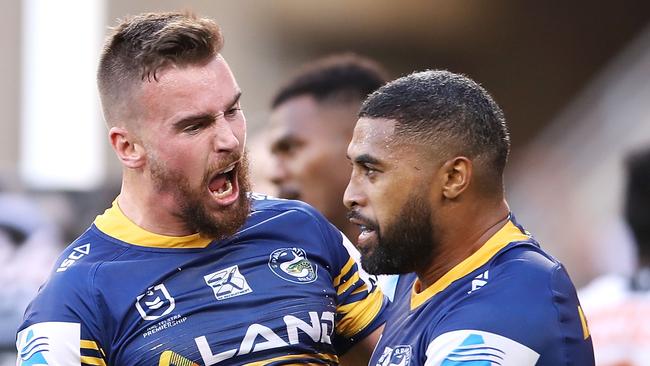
<point>367,231</point>
<point>223,185</point>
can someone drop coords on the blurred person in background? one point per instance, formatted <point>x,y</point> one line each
<point>311,124</point>
<point>618,307</point>
<point>188,267</point>
<point>428,155</point>
<point>29,244</point>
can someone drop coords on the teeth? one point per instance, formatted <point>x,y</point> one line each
<point>228,170</point>
<point>224,191</point>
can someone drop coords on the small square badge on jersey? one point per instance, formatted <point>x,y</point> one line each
<point>227,283</point>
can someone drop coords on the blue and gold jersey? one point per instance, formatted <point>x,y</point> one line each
<point>508,304</point>
<point>283,290</point>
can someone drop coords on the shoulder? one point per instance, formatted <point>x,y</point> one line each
<point>264,203</point>
<point>295,217</point>
<point>69,286</point>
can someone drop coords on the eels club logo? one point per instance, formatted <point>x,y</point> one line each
<point>292,264</point>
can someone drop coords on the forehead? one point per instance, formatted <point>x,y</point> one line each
<point>375,138</point>
<point>207,87</point>
<point>372,134</point>
<point>305,116</point>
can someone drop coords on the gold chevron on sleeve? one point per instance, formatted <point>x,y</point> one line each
<point>357,315</point>
<point>95,361</point>
<point>170,358</point>
<point>346,268</point>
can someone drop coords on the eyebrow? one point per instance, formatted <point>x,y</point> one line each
<point>182,123</point>
<point>234,102</point>
<point>366,159</point>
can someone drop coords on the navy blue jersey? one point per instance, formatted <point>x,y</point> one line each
<point>508,304</point>
<point>284,289</point>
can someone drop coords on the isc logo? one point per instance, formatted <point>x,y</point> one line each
<point>77,253</point>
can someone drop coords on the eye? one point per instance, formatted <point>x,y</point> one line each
<point>369,171</point>
<point>232,112</point>
<point>193,128</point>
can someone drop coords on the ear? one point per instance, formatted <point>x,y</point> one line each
<point>456,176</point>
<point>128,149</point>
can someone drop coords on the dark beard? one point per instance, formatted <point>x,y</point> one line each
<point>406,245</point>
<point>192,208</point>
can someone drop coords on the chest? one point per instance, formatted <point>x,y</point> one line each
<point>219,306</point>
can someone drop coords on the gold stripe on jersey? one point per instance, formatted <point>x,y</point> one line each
<point>507,234</point>
<point>347,284</point>
<point>95,361</point>
<point>301,359</point>
<point>114,223</point>
<point>344,271</point>
<point>94,355</point>
<point>583,322</point>
<point>357,315</point>
<point>89,344</point>
<point>170,358</point>
<point>359,290</point>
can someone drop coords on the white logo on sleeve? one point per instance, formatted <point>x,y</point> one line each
<point>478,348</point>
<point>479,281</point>
<point>76,254</point>
<point>227,283</point>
<point>49,343</point>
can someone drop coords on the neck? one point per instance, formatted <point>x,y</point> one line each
<point>463,235</point>
<point>149,209</point>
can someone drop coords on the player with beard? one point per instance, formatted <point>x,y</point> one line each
<point>188,267</point>
<point>428,155</point>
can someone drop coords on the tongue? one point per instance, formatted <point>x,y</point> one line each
<point>218,182</point>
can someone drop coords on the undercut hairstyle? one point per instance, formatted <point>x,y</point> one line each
<point>447,111</point>
<point>140,46</point>
<point>345,77</point>
<point>637,199</point>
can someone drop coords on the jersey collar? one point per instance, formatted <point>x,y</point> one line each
<point>114,223</point>
<point>507,234</point>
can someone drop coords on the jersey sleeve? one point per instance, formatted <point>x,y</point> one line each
<point>60,324</point>
<point>527,314</point>
<point>360,302</point>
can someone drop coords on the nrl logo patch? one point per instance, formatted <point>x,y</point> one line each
<point>292,264</point>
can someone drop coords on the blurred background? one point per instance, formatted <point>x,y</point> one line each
<point>572,77</point>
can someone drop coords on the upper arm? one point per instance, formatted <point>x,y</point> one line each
<point>59,326</point>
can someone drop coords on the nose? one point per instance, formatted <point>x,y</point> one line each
<point>279,172</point>
<point>353,196</point>
<point>227,139</point>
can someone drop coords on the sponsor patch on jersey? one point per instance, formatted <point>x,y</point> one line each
<point>49,343</point>
<point>479,281</point>
<point>227,283</point>
<point>292,264</point>
<point>76,254</point>
<point>156,302</point>
<point>395,356</point>
<point>478,348</point>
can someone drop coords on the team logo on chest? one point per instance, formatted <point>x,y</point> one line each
<point>292,264</point>
<point>398,356</point>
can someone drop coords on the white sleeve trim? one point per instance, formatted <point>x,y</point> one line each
<point>465,346</point>
<point>49,343</point>
<point>370,280</point>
